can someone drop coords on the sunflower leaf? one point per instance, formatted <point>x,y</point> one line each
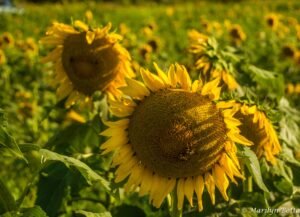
<point>8,145</point>
<point>82,213</point>
<point>89,174</point>
<point>7,201</point>
<point>34,212</point>
<point>250,160</point>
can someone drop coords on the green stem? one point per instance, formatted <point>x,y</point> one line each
<point>248,182</point>
<point>174,211</point>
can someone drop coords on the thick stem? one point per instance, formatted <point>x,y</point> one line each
<point>247,183</point>
<point>174,211</point>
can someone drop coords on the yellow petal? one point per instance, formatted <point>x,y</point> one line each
<point>135,177</point>
<point>183,77</point>
<point>210,186</point>
<point>197,85</point>
<point>90,36</point>
<point>81,25</point>
<point>236,137</point>
<point>146,182</point>
<point>180,193</point>
<point>172,76</point>
<point>199,187</point>
<point>72,115</point>
<point>189,189</point>
<point>152,81</point>
<point>124,153</point>
<point>125,169</point>
<point>161,74</point>
<point>114,131</point>
<point>221,180</point>
<point>135,89</point>
<point>210,87</point>
<point>156,189</point>
<point>115,142</point>
<point>166,188</point>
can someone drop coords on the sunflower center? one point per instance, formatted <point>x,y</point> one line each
<point>177,134</point>
<point>90,67</point>
<point>251,130</point>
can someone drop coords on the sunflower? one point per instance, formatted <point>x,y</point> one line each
<point>86,60</point>
<point>288,51</point>
<point>257,128</point>
<point>208,65</point>
<point>272,20</point>
<point>172,135</point>
<point>6,40</point>
<point>237,34</point>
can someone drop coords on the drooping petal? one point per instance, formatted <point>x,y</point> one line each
<point>180,193</point>
<point>199,187</point>
<point>189,189</point>
<point>210,186</point>
<point>221,180</point>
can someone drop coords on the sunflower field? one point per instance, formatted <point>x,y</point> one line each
<point>150,108</point>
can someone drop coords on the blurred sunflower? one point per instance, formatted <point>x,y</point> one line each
<point>173,135</point>
<point>145,51</point>
<point>208,65</point>
<point>288,51</point>
<point>293,88</point>
<point>6,40</point>
<point>237,34</point>
<point>86,60</point>
<point>272,20</point>
<point>257,128</point>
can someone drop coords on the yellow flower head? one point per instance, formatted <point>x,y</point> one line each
<point>86,60</point>
<point>257,128</point>
<point>198,41</point>
<point>145,52</point>
<point>288,51</point>
<point>172,133</point>
<point>272,20</point>
<point>6,40</point>
<point>237,34</point>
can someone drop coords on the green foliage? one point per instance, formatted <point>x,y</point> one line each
<point>250,160</point>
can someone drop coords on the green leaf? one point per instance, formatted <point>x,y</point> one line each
<point>34,212</point>
<point>288,156</point>
<point>89,175</point>
<point>284,186</point>
<point>270,81</point>
<point>8,144</point>
<point>250,160</point>
<point>53,187</point>
<point>82,213</point>
<point>7,201</point>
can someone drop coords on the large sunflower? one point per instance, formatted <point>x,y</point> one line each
<point>257,128</point>
<point>86,60</point>
<point>173,135</point>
